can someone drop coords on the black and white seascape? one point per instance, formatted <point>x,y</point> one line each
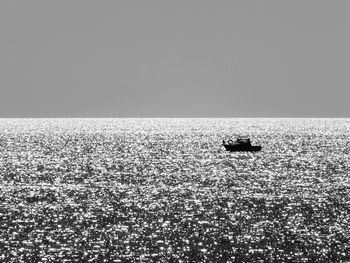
<point>165,190</point>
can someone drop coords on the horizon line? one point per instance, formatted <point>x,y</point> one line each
<point>167,117</point>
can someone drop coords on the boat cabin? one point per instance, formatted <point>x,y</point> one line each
<point>241,140</point>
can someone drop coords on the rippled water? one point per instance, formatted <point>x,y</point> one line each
<point>165,190</point>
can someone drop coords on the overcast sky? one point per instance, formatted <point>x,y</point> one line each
<point>179,58</point>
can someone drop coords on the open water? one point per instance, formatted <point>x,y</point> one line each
<point>165,190</point>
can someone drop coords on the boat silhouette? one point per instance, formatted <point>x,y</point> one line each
<point>241,145</point>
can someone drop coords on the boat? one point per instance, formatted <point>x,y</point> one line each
<point>241,145</point>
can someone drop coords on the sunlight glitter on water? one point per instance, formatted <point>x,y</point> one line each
<point>165,189</point>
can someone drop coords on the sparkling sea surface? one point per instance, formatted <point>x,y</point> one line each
<point>165,190</point>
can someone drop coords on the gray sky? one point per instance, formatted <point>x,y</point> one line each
<point>183,58</point>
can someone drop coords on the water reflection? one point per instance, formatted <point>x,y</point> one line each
<point>165,190</point>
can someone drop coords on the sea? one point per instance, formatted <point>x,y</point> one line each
<point>166,190</point>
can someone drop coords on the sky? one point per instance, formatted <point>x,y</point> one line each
<point>183,58</point>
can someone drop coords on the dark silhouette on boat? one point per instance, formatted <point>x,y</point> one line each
<point>241,145</point>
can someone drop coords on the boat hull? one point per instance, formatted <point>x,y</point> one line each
<point>242,148</point>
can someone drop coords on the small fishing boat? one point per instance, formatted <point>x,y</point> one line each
<point>241,145</point>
